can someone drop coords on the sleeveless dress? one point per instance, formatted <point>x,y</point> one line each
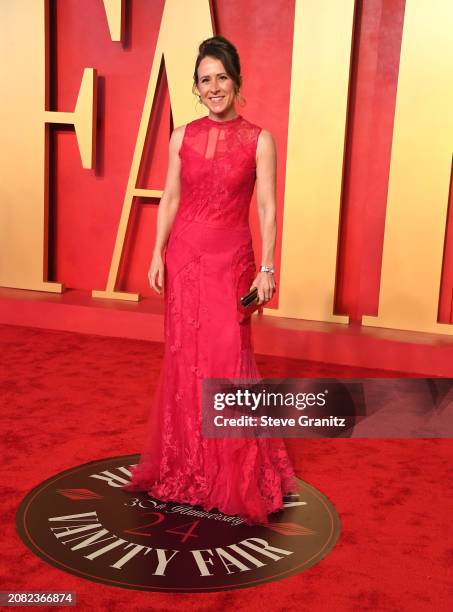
<point>209,251</point>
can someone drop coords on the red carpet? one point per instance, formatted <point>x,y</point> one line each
<point>69,398</point>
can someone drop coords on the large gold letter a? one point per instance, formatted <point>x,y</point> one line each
<point>183,26</point>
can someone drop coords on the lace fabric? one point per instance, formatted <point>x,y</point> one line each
<point>218,171</point>
<point>209,252</point>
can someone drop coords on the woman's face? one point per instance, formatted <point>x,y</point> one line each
<point>216,88</point>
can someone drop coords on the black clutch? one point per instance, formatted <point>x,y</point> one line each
<point>248,303</point>
<point>249,297</point>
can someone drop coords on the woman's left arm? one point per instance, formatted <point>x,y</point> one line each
<point>266,171</point>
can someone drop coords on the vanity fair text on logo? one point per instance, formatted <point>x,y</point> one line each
<point>84,522</point>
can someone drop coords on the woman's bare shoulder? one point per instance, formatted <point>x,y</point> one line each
<point>176,137</point>
<point>266,137</point>
<point>266,143</point>
<point>180,129</point>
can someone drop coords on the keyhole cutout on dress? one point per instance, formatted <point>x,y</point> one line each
<point>213,136</point>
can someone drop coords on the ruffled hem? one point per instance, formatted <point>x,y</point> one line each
<point>251,484</point>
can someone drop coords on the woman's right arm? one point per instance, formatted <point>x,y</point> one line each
<point>168,206</point>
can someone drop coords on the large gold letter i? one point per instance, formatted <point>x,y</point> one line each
<point>314,167</point>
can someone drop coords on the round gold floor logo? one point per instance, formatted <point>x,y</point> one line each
<point>83,522</point>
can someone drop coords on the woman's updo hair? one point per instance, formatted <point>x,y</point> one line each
<point>222,49</point>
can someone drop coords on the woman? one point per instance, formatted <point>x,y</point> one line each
<point>213,164</point>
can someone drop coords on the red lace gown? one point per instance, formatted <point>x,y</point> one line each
<point>209,249</point>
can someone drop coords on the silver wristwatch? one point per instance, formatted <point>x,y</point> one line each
<point>269,269</point>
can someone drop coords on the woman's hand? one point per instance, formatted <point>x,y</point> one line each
<point>265,284</point>
<point>156,273</point>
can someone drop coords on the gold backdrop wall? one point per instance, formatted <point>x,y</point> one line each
<point>420,171</point>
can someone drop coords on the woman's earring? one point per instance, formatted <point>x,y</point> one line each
<point>241,100</point>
